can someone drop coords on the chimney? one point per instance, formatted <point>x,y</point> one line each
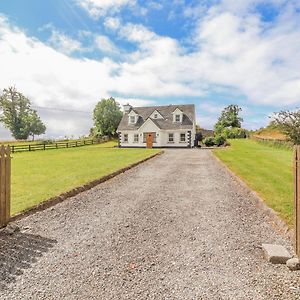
<point>127,107</point>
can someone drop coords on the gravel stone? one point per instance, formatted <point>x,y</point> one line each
<point>293,264</point>
<point>175,227</point>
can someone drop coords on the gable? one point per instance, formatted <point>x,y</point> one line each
<point>149,125</point>
<point>132,113</point>
<point>177,111</point>
<point>156,115</point>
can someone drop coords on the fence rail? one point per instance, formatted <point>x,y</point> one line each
<point>57,145</point>
<point>5,182</point>
<point>272,141</point>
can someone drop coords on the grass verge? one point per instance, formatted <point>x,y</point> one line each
<point>267,170</point>
<point>38,176</point>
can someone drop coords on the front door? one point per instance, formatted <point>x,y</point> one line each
<point>149,140</point>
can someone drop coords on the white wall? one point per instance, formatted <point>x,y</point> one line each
<point>162,137</point>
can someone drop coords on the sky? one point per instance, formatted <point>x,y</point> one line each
<point>66,55</point>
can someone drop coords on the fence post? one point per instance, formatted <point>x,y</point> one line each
<point>297,199</point>
<point>5,179</point>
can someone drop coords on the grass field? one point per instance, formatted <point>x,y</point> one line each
<point>267,170</point>
<point>37,176</point>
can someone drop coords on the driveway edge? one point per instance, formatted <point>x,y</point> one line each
<point>274,219</point>
<point>77,190</point>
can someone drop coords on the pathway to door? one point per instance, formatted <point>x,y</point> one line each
<point>175,227</point>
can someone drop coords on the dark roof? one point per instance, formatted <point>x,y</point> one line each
<point>166,123</point>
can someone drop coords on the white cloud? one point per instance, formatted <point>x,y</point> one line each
<point>261,62</point>
<point>112,23</point>
<point>63,43</point>
<point>135,101</point>
<point>100,8</point>
<point>104,44</point>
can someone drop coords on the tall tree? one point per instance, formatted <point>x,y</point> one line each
<point>17,116</point>
<point>35,125</point>
<point>229,118</point>
<point>289,124</point>
<point>107,116</point>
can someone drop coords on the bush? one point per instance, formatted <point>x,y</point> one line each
<point>219,140</point>
<point>234,133</point>
<point>209,141</point>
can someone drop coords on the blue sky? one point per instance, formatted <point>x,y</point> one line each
<point>66,55</point>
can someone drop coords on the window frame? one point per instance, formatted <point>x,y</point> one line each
<point>169,135</point>
<point>134,138</point>
<point>181,135</point>
<point>178,118</point>
<point>132,118</point>
<point>125,138</point>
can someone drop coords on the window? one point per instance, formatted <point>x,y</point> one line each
<point>155,116</point>
<point>136,138</point>
<point>125,138</point>
<point>132,119</point>
<point>177,118</point>
<point>171,137</point>
<point>182,137</point>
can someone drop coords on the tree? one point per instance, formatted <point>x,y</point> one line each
<point>35,125</point>
<point>230,117</point>
<point>289,123</point>
<point>107,116</point>
<point>17,115</point>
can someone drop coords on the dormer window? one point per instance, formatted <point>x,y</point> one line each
<point>155,116</point>
<point>177,115</point>
<point>132,119</point>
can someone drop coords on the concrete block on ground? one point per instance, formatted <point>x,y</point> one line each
<point>276,254</point>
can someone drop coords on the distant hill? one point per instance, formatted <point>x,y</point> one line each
<point>269,133</point>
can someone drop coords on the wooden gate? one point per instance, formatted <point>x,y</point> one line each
<point>5,182</point>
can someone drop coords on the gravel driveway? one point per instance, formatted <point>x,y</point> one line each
<point>175,227</point>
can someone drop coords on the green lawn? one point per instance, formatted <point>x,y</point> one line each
<point>267,170</point>
<point>37,176</point>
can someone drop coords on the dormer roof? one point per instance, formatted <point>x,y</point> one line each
<point>177,111</point>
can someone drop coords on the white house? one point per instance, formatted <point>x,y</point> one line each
<point>158,126</point>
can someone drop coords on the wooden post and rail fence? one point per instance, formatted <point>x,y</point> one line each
<point>5,169</point>
<point>55,145</point>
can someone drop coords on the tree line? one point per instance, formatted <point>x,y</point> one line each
<point>18,116</point>
<point>23,122</point>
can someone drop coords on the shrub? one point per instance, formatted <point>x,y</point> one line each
<point>219,140</point>
<point>209,141</point>
<point>234,133</point>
